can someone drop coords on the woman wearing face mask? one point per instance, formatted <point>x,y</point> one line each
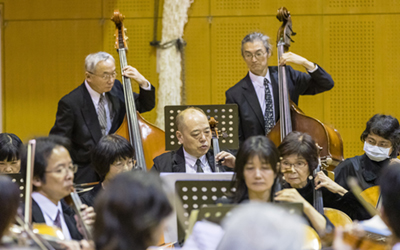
<point>381,142</point>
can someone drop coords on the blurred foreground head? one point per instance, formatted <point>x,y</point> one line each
<point>262,226</point>
<point>130,213</point>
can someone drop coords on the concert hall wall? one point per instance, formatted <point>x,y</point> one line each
<point>45,43</point>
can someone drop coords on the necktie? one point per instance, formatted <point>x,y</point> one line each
<point>199,168</point>
<point>101,114</point>
<point>57,221</point>
<point>269,112</point>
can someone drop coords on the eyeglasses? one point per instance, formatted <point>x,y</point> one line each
<point>106,76</point>
<point>258,55</point>
<point>63,170</point>
<point>298,165</point>
<point>124,163</point>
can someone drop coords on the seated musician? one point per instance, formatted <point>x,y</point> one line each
<point>381,140</point>
<point>53,178</point>
<point>9,198</point>
<point>257,93</point>
<point>194,155</point>
<point>299,158</point>
<point>9,153</point>
<point>131,212</point>
<point>112,155</point>
<point>389,182</point>
<point>97,108</point>
<point>258,226</point>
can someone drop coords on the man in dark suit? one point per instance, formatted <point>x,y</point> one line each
<point>194,155</point>
<point>97,108</point>
<point>257,95</point>
<point>53,177</point>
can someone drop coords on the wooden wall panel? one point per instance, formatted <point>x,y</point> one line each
<point>140,54</point>
<point>198,68</point>
<point>51,10</point>
<point>43,62</point>
<point>262,7</point>
<point>361,6</point>
<point>350,47</point>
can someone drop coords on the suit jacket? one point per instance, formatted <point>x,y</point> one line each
<point>251,118</point>
<point>174,161</point>
<point>89,197</point>
<point>37,216</point>
<point>77,120</point>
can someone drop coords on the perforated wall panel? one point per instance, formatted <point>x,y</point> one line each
<point>44,61</point>
<point>140,54</point>
<point>351,50</point>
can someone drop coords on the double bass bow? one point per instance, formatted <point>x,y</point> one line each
<point>291,117</point>
<point>146,139</point>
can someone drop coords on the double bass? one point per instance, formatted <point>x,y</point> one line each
<point>291,117</point>
<point>147,139</point>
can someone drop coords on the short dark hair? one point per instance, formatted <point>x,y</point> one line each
<point>9,198</point>
<point>390,185</point>
<point>9,147</point>
<point>129,210</point>
<point>109,149</point>
<point>385,126</point>
<point>301,144</point>
<point>259,146</point>
<point>43,150</point>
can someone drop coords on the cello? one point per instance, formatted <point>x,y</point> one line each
<point>146,139</point>
<point>291,117</point>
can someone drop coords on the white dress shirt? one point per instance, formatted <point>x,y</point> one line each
<point>50,210</point>
<point>258,83</point>
<point>96,98</point>
<point>190,163</point>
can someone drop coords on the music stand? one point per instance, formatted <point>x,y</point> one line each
<point>223,179</point>
<point>197,194</point>
<point>225,114</point>
<point>20,180</point>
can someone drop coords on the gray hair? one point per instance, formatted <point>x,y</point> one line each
<point>93,59</point>
<point>262,226</point>
<point>257,36</point>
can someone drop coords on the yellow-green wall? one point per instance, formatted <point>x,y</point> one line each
<point>45,43</point>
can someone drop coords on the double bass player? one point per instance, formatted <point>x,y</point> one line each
<point>257,93</point>
<point>97,108</point>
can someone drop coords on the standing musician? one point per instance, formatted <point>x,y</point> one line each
<point>194,155</point>
<point>53,177</point>
<point>381,140</point>
<point>299,158</point>
<point>97,108</point>
<point>257,95</point>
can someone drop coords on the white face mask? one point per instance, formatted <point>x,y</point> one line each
<point>376,153</point>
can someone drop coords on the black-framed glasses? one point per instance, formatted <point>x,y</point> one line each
<point>63,170</point>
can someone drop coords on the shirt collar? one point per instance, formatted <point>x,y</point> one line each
<point>46,205</point>
<point>258,81</point>
<point>95,96</point>
<point>191,160</point>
